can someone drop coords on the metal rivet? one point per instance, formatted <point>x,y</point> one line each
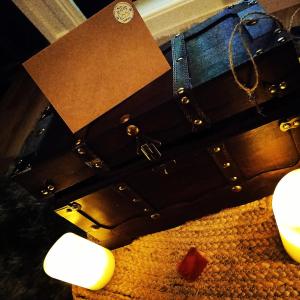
<point>217,149</point>
<point>282,39</point>
<point>185,100</point>
<point>155,216</point>
<point>259,52</point>
<point>177,35</point>
<point>277,31</point>
<point>122,187</point>
<point>146,209</point>
<point>50,187</point>
<point>135,200</point>
<point>95,227</point>
<point>180,91</point>
<point>81,151</point>
<point>273,89</point>
<point>179,59</point>
<point>132,130</point>
<point>286,126</point>
<point>41,131</point>
<point>226,165</point>
<point>44,192</point>
<point>125,118</point>
<point>236,188</point>
<point>197,122</point>
<point>98,165</point>
<point>43,116</point>
<point>234,178</point>
<point>250,22</point>
<point>75,205</point>
<point>20,161</point>
<point>78,142</point>
<point>253,2</point>
<point>296,123</point>
<point>283,85</point>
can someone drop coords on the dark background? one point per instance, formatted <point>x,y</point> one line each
<point>28,227</point>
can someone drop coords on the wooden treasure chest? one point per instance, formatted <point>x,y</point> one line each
<point>218,129</point>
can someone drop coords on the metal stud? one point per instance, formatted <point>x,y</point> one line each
<point>75,205</point>
<point>185,100</point>
<point>50,187</point>
<point>132,130</point>
<point>252,2</point>
<point>95,226</point>
<point>122,187</point>
<point>146,210</point>
<point>226,165</point>
<point>180,91</point>
<point>286,126</point>
<point>136,200</point>
<point>277,31</point>
<point>177,35</point>
<point>197,122</point>
<point>259,52</point>
<point>125,118</point>
<point>251,22</point>
<point>234,178</point>
<point>81,151</point>
<point>78,142</point>
<point>237,188</point>
<point>283,85</point>
<point>155,216</point>
<point>216,149</point>
<point>273,89</point>
<point>41,131</point>
<point>98,165</point>
<point>179,59</point>
<point>282,39</point>
<point>44,192</point>
<point>296,124</point>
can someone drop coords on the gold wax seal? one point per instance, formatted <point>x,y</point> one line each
<point>123,12</point>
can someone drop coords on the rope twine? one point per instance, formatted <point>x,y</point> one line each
<point>238,27</point>
<point>292,19</point>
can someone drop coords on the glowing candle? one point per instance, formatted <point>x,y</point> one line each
<point>286,208</point>
<point>78,261</point>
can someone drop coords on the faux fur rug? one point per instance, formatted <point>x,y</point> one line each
<point>28,230</point>
<point>242,245</point>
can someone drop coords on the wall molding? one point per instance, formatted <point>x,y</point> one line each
<point>53,18</point>
<point>164,18</point>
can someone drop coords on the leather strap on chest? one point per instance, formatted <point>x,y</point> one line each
<point>182,86</point>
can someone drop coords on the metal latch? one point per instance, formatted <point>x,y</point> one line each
<point>166,168</point>
<point>145,145</point>
<point>291,124</point>
<point>88,156</point>
<point>74,213</point>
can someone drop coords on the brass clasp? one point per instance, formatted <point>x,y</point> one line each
<point>291,124</point>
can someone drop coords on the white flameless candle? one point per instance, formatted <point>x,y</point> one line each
<point>286,208</point>
<point>78,261</point>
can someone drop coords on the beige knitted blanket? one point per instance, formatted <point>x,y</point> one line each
<point>242,245</point>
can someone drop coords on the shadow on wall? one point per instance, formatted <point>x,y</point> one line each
<point>28,230</point>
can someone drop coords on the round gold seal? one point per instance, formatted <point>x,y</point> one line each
<point>123,12</point>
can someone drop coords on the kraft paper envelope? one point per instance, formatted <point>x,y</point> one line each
<point>272,6</point>
<point>98,64</point>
